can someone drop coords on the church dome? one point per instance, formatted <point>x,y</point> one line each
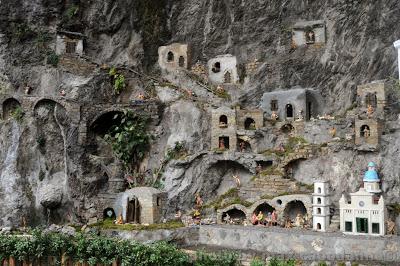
<point>371,175</point>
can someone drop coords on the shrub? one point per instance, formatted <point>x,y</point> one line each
<point>214,259</point>
<point>129,138</point>
<point>118,80</point>
<point>52,59</point>
<point>17,114</point>
<point>280,262</point>
<point>257,262</point>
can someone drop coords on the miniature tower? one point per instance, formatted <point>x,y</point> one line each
<point>397,46</point>
<point>321,203</point>
<point>371,179</point>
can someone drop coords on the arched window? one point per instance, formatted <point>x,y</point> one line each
<point>370,99</point>
<point>227,77</point>
<point>216,68</point>
<point>223,121</point>
<point>318,210</point>
<point>289,110</point>
<point>223,143</point>
<point>319,190</point>
<point>249,124</point>
<point>310,37</point>
<point>181,61</point>
<point>319,201</point>
<point>365,131</point>
<point>170,56</point>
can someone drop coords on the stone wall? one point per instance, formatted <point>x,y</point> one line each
<point>301,244</point>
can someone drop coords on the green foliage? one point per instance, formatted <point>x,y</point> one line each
<point>176,152</point>
<point>129,138</point>
<point>102,250</point>
<point>109,224</point>
<point>71,11</point>
<point>214,259</point>
<point>41,39</point>
<point>17,114</point>
<point>280,262</point>
<point>322,263</point>
<point>52,59</point>
<point>257,262</point>
<point>118,80</point>
<point>21,32</point>
<point>228,198</point>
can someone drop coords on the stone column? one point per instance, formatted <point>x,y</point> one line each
<point>397,46</point>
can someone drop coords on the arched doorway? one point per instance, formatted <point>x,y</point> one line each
<point>109,213</point>
<point>289,111</point>
<point>265,208</point>
<point>170,56</point>
<point>365,131</point>
<point>133,211</point>
<point>181,61</point>
<point>249,124</point>
<point>233,216</point>
<point>293,208</point>
<point>9,107</point>
<point>216,68</point>
<point>227,77</point>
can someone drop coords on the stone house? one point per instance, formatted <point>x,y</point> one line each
<point>223,69</point>
<point>231,127</point>
<point>363,215</point>
<point>289,104</point>
<point>308,33</point>
<point>174,56</point>
<point>142,205</point>
<point>69,43</point>
<point>367,134</point>
<point>373,94</point>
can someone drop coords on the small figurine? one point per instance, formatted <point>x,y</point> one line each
<point>274,218</point>
<point>63,93</point>
<point>242,146</point>
<point>237,180</point>
<point>391,227</point>
<point>300,116</point>
<point>221,144</point>
<point>227,219</point>
<point>274,116</point>
<point>366,132</point>
<point>220,89</point>
<point>140,97</point>
<point>178,215</point>
<point>299,222</point>
<point>258,169</point>
<point>199,201</point>
<point>254,220</point>
<point>332,132</point>
<point>370,110</point>
<point>260,218</point>
<point>288,223</point>
<point>28,89</point>
<point>119,220</point>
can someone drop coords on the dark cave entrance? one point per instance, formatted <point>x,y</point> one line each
<point>237,216</point>
<point>9,106</point>
<point>289,111</point>
<point>294,208</point>
<point>109,213</point>
<point>249,124</point>
<point>265,208</point>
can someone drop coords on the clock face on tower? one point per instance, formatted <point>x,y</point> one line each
<point>361,203</point>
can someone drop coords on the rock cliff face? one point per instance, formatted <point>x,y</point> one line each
<point>53,162</point>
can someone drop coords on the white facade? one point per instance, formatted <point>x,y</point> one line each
<point>301,29</point>
<point>397,46</point>
<point>223,69</point>
<point>67,45</point>
<point>321,205</point>
<point>363,215</point>
<point>173,56</point>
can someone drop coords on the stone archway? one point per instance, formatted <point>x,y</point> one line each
<point>293,208</point>
<point>9,106</point>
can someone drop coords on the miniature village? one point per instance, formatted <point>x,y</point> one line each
<point>242,174</point>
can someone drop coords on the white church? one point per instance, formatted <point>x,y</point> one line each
<point>365,213</point>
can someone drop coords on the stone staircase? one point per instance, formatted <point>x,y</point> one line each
<point>335,223</point>
<point>272,185</point>
<point>77,65</point>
